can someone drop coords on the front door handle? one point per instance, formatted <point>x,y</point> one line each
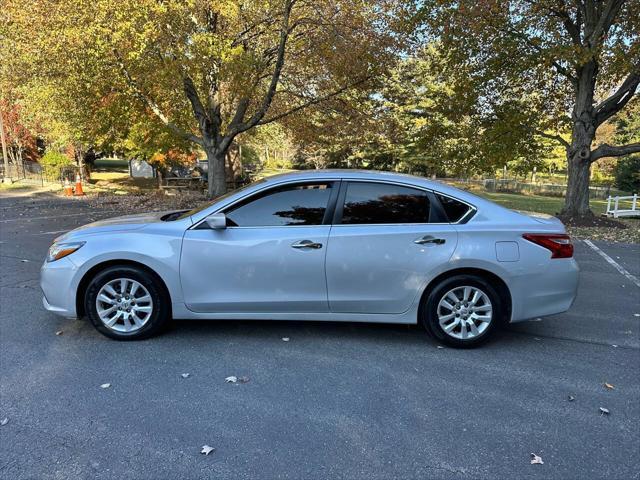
<point>307,244</point>
<point>429,239</point>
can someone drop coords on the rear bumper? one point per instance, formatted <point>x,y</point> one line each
<point>547,292</point>
<point>56,280</point>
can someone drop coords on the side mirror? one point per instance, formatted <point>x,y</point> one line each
<point>216,221</point>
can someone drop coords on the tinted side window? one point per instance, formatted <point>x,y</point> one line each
<point>289,205</point>
<point>454,209</point>
<point>384,203</point>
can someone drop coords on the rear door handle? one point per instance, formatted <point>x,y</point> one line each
<point>307,244</point>
<point>429,239</point>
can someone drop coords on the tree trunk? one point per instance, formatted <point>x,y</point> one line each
<point>577,199</point>
<point>5,154</point>
<point>217,181</point>
<point>582,135</point>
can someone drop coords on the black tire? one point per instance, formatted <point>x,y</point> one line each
<point>159,316</point>
<point>429,310</point>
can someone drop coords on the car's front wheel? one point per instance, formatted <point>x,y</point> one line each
<point>126,303</point>
<point>462,311</point>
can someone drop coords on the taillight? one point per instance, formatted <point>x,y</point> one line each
<point>559,244</point>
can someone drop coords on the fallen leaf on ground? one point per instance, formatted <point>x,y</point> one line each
<point>59,332</point>
<point>604,411</point>
<point>609,386</point>
<point>4,421</point>
<point>285,339</point>
<point>231,379</point>
<point>243,379</point>
<point>105,385</point>
<point>571,398</point>
<point>206,449</point>
<point>185,375</point>
<point>536,460</point>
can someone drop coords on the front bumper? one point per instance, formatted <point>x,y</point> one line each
<point>57,284</point>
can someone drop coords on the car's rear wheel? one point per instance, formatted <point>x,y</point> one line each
<point>126,303</point>
<point>462,311</point>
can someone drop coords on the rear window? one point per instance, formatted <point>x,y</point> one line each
<point>380,203</point>
<point>454,209</point>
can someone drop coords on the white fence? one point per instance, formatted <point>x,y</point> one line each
<point>620,205</point>
<point>547,189</point>
<point>514,186</point>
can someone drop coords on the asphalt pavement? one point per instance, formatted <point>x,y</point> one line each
<point>338,400</point>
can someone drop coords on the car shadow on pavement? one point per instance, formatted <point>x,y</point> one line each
<point>352,332</point>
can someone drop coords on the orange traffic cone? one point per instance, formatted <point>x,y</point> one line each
<point>68,189</point>
<point>78,191</point>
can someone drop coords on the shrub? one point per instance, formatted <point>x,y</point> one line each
<point>628,174</point>
<point>52,163</point>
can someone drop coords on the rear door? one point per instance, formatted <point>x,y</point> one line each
<point>270,258</point>
<point>386,240</point>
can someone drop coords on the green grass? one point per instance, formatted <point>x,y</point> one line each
<point>15,186</point>
<point>269,172</point>
<point>121,181</point>
<point>20,186</point>
<point>535,203</point>
<point>109,176</point>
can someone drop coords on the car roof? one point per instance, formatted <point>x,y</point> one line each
<point>375,175</point>
<point>482,205</point>
<point>343,173</point>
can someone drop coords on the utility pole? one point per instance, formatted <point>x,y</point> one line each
<point>5,156</point>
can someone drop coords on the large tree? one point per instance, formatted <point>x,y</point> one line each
<point>208,70</point>
<point>424,118</point>
<point>578,61</point>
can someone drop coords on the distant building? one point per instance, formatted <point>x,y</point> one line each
<point>141,169</point>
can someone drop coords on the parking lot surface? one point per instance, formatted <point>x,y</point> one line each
<point>338,400</point>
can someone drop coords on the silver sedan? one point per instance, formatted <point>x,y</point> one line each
<point>354,246</point>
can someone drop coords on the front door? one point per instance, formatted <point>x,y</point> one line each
<point>386,242</point>
<point>270,258</point>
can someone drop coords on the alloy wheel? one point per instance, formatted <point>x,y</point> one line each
<point>464,312</point>
<point>124,305</point>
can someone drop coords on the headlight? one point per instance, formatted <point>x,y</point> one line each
<point>61,250</point>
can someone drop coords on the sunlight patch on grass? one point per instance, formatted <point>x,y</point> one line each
<point>270,172</point>
<point>536,203</point>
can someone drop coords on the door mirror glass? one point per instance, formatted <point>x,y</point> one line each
<point>216,221</point>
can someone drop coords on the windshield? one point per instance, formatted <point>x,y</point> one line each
<point>216,200</point>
